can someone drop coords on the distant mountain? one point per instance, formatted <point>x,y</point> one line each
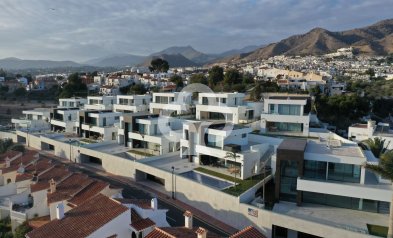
<point>15,63</point>
<point>176,60</point>
<point>372,40</point>
<point>188,52</point>
<point>243,50</point>
<point>117,60</point>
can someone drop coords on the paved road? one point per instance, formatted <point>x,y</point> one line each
<point>174,215</point>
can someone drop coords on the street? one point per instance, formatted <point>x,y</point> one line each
<point>134,191</point>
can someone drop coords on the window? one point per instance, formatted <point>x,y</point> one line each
<point>224,100</point>
<point>284,109</point>
<point>244,135</point>
<point>104,121</point>
<point>186,134</point>
<point>315,169</point>
<point>117,118</point>
<point>344,172</point>
<point>271,108</point>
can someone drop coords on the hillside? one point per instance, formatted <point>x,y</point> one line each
<point>371,40</point>
<point>177,60</point>
<point>15,63</point>
<point>117,61</point>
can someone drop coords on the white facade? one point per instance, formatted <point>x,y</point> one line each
<point>33,120</point>
<point>360,132</point>
<point>168,103</point>
<point>285,113</point>
<point>72,102</point>
<point>100,102</point>
<point>101,125</point>
<point>132,103</point>
<point>227,106</point>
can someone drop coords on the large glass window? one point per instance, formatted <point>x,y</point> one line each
<point>315,169</point>
<point>341,201</point>
<point>288,180</point>
<point>284,109</point>
<point>344,172</point>
<point>283,126</point>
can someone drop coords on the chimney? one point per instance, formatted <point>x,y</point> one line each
<point>52,186</point>
<point>370,127</point>
<point>201,232</point>
<point>188,219</point>
<point>7,162</point>
<point>154,204</point>
<point>60,211</point>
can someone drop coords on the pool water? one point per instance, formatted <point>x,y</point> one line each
<point>207,180</point>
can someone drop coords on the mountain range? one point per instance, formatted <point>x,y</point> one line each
<point>376,39</point>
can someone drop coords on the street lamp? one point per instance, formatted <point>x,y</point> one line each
<point>173,182</point>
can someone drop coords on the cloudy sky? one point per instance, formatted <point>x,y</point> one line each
<point>84,29</point>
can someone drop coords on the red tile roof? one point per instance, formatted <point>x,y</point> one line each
<point>67,188</point>
<point>34,168</point>
<point>360,126</point>
<point>10,154</point>
<point>135,216</point>
<point>248,232</point>
<point>83,220</point>
<point>58,173</point>
<point>177,232</point>
<point>88,192</point>
<point>25,159</point>
<point>142,224</point>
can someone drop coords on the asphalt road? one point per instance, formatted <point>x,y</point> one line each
<point>174,215</point>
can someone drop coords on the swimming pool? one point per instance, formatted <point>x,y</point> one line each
<point>207,180</point>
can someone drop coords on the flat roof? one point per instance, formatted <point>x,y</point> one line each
<point>293,144</point>
<point>344,149</point>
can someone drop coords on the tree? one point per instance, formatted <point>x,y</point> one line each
<point>159,65</point>
<point>247,78</point>
<point>216,75</point>
<point>376,145</point>
<point>178,80</point>
<point>22,230</point>
<point>5,144</point>
<point>137,89</point>
<point>385,169</point>
<point>198,78</point>
<point>20,92</point>
<point>232,76</point>
<point>74,87</point>
<point>256,92</point>
<point>18,147</point>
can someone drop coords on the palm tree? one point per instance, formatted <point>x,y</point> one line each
<point>234,170</point>
<point>376,145</point>
<point>385,169</point>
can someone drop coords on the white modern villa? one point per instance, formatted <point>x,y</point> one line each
<point>286,113</point>
<point>230,107</point>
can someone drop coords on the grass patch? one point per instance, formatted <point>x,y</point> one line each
<point>376,230</point>
<point>138,152</point>
<point>241,186</point>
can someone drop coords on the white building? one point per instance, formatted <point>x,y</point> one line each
<point>33,120</point>
<point>65,120</point>
<point>150,133</point>
<point>171,103</point>
<point>72,102</point>
<point>229,107</point>
<point>132,103</point>
<point>286,113</point>
<point>207,144</point>
<point>100,102</point>
<point>361,132</point>
<point>99,125</point>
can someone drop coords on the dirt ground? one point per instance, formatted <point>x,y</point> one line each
<point>13,109</point>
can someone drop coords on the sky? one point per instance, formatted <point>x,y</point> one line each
<point>84,29</point>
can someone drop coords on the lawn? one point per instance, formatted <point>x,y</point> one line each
<point>241,186</point>
<point>376,230</point>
